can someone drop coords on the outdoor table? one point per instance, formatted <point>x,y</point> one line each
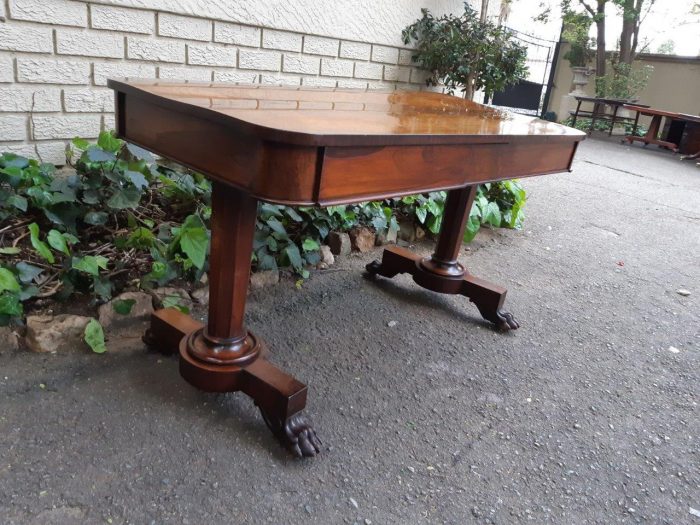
<point>319,147</point>
<point>598,112</point>
<point>651,136</point>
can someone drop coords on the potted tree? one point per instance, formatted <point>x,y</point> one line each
<point>466,52</point>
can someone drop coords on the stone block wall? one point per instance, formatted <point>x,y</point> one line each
<point>56,57</point>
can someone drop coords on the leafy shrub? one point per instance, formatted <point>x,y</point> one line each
<point>126,218</point>
<point>584,123</point>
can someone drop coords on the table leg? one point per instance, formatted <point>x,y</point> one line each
<point>652,134</point>
<point>612,123</point>
<point>441,272</point>
<point>224,356</point>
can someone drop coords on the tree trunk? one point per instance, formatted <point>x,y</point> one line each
<point>629,19</point>
<point>469,87</point>
<point>484,10</point>
<point>600,42</point>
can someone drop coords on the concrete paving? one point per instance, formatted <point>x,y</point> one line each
<point>587,414</point>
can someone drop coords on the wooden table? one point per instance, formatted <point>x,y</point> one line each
<point>652,134</point>
<point>598,112</point>
<point>320,147</point>
<point>684,131</point>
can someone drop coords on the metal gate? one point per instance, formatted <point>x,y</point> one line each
<point>531,95</point>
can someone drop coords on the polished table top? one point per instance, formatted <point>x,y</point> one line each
<point>324,146</point>
<point>325,116</point>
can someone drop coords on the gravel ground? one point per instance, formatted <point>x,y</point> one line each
<point>587,414</point>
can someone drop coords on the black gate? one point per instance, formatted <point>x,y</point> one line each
<point>531,95</point>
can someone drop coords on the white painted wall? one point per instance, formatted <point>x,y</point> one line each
<point>376,21</point>
<point>56,55</point>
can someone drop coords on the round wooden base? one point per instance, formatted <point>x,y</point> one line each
<point>219,376</point>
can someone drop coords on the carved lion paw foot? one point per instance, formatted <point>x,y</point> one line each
<point>373,268</point>
<point>296,434</point>
<point>506,321</point>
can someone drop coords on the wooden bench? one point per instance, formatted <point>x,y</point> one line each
<point>599,113</point>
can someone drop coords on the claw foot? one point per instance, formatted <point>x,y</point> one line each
<point>295,433</point>
<point>373,267</point>
<point>506,321</point>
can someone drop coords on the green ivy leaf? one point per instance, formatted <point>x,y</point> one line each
<point>39,245</point>
<point>96,154</point>
<point>58,242</point>
<point>8,281</point>
<point>18,202</point>
<point>96,218</point>
<point>276,226</point>
<point>95,337</point>
<point>310,245</point>
<point>173,301</point>
<point>27,272</point>
<point>10,250</point>
<point>473,225</point>
<point>491,214</point>
<point>194,242</point>
<point>137,179</point>
<point>139,152</point>
<point>81,143</point>
<point>128,197</point>
<point>108,142</point>
<point>10,305</point>
<point>294,256</point>
<point>90,264</point>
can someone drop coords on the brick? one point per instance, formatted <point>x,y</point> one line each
<point>52,71</point>
<point>26,150</point>
<point>336,68</point>
<point>368,70</point>
<point>90,100</point>
<point>52,152</point>
<point>380,86</point>
<point>29,98</point>
<point>90,44</point>
<point>318,81</point>
<point>20,37</point>
<point>155,50</point>
<point>211,55</point>
<point>186,27</point>
<point>405,57</point>
<point>109,123</point>
<point>263,60</point>
<point>419,76</point>
<point>122,19</point>
<point>397,73</point>
<point>238,77</point>
<point>283,40</point>
<point>351,83</point>
<point>196,74</point>
<point>236,34</point>
<point>279,80</point>
<point>301,64</point>
<point>56,12</point>
<point>385,54</point>
<point>13,127</point>
<point>65,126</point>
<point>101,72</point>
<point>3,16</point>
<point>318,45</point>
<point>356,50</point>
<point>7,69</point>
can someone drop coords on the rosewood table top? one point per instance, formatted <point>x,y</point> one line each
<point>408,142</point>
<point>320,147</point>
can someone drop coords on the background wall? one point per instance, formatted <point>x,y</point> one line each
<point>56,55</point>
<point>674,85</point>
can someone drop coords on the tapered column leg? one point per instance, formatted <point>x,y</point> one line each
<point>223,356</point>
<point>441,272</point>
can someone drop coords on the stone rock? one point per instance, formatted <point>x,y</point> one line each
<point>683,292</point>
<point>327,255</point>
<point>264,279</point>
<point>339,243</point>
<point>160,294</point>
<point>59,333</point>
<point>362,239</point>
<point>201,296</point>
<point>140,312</point>
<point>407,231</point>
<point>420,233</point>
<point>9,340</point>
<point>321,266</point>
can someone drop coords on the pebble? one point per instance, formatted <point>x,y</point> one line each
<point>392,324</point>
<point>694,512</point>
<point>353,503</point>
<point>683,292</point>
<point>673,349</point>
